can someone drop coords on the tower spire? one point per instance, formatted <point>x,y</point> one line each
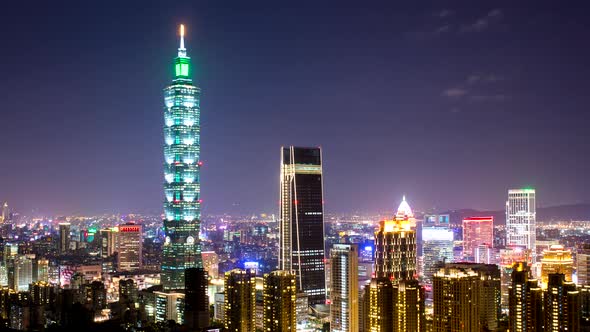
<point>181,49</point>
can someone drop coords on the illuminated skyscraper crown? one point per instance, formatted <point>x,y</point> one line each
<point>404,211</point>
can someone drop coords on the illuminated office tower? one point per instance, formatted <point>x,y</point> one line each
<point>583,264</point>
<point>169,306</point>
<point>23,272</point>
<point>408,306</point>
<point>280,301</point>
<point>455,299</point>
<point>379,294</point>
<point>196,300</point>
<point>129,247</point>
<point>240,301</point>
<point>395,246</point>
<point>301,228</point>
<point>42,270</point>
<point>477,231</point>
<point>521,216</point>
<point>525,301</point>
<point>108,241</point>
<point>509,256</point>
<point>556,260</point>
<point>489,292</point>
<point>182,207</point>
<point>64,237</point>
<point>561,304</point>
<point>344,296</point>
<point>437,247</point>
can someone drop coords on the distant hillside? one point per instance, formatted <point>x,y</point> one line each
<point>547,214</point>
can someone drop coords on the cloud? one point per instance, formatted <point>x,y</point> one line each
<point>483,23</point>
<point>454,92</point>
<point>483,78</point>
<point>445,13</point>
<point>493,98</point>
<point>443,29</point>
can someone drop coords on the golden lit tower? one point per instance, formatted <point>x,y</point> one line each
<point>526,301</point>
<point>395,246</point>
<point>280,297</point>
<point>556,260</point>
<point>240,301</point>
<point>456,298</point>
<point>561,304</point>
<point>380,297</point>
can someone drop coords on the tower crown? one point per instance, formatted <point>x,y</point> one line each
<point>182,62</point>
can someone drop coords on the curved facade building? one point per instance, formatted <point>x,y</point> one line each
<point>182,207</point>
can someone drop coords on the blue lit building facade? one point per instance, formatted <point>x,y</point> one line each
<point>182,207</point>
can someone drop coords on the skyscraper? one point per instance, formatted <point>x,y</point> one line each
<point>379,295</point>
<point>525,301</point>
<point>456,300</point>
<point>240,300</point>
<point>395,248</point>
<point>196,301</point>
<point>64,237</point>
<point>408,309</point>
<point>129,247</point>
<point>556,260</point>
<point>437,247</point>
<point>583,264</point>
<point>521,216</point>
<point>344,296</point>
<point>561,304</point>
<point>395,259</point>
<point>301,228</point>
<point>477,231</point>
<point>280,300</point>
<point>182,207</point>
<point>489,292</point>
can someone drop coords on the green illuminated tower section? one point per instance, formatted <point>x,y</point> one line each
<point>182,207</point>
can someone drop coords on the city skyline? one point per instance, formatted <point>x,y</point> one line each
<point>477,80</point>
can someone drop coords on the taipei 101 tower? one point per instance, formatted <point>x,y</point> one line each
<point>182,207</point>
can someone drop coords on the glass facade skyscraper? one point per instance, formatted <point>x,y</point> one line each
<point>182,207</point>
<point>301,228</point>
<point>521,216</point>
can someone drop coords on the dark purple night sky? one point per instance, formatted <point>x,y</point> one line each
<point>449,104</point>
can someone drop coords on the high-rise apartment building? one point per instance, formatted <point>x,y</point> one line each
<point>301,228</point>
<point>240,301</point>
<point>182,155</point>
<point>108,242</point>
<point>64,237</point>
<point>408,309</point>
<point>196,300</point>
<point>521,219</point>
<point>169,306</point>
<point>380,303</point>
<point>280,302</point>
<point>477,231</point>
<point>129,247</point>
<point>525,301</point>
<point>583,264</point>
<point>556,260</point>
<point>489,292</point>
<point>344,296</point>
<point>456,298</point>
<point>561,305</point>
